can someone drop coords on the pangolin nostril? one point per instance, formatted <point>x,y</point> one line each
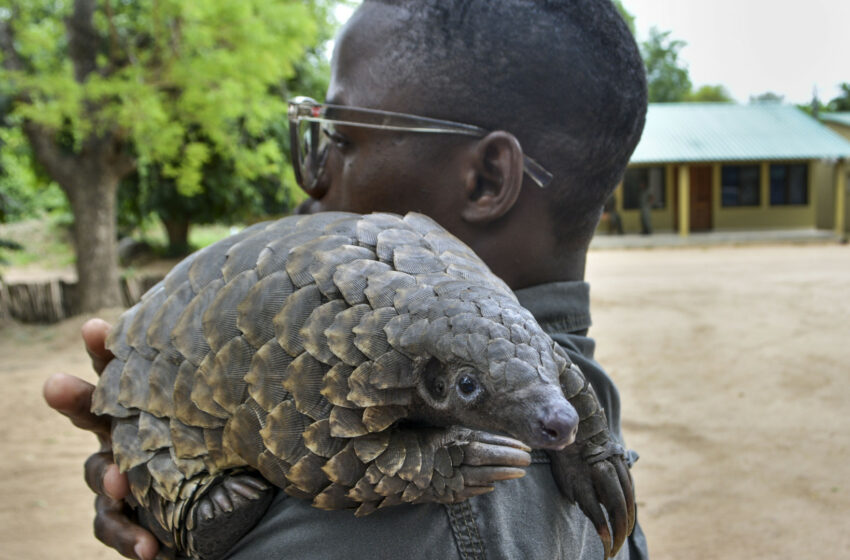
<point>549,431</point>
<point>559,428</point>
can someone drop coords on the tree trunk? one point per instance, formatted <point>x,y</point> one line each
<point>93,197</point>
<point>91,174</point>
<point>178,236</point>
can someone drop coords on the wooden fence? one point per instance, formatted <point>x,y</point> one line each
<point>52,301</point>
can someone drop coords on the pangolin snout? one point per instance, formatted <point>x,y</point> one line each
<point>557,427</point>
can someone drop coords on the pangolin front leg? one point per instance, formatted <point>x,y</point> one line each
<point>384,469</point>
<point>422,466</point>
<point>593,472</point>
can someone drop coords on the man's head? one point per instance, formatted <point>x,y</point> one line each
<point>560,80</point>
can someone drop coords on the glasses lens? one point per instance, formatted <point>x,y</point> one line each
<point>312,151</point>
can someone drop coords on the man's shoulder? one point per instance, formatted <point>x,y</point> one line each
<point>517,520</point>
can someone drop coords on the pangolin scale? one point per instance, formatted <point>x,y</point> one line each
<point>349,360</point>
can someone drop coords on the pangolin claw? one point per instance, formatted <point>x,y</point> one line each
<point>593,485</point>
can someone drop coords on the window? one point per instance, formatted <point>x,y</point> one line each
<point>741,185</point>
<point>789,184</point>
<point>634,181</point>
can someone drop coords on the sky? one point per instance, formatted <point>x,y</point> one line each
<point>787,47</point>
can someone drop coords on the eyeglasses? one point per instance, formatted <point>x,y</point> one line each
<point>311,131</point>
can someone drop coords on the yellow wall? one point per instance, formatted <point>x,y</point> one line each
<point>823,177</point>
<point>839,128</point>
<point>662,218</point>
<point>819,212</point>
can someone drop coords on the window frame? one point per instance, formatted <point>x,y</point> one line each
<point>724,201</point>
<point>788,165</point>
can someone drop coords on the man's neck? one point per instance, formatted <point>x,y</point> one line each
<point>522,263</point>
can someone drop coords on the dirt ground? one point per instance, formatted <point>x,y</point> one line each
<point>732,365</point>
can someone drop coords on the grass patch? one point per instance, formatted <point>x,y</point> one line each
<point>200,236</point>
<point>45,243</point>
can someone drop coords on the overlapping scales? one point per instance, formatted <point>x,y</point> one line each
<point>279,325</point>
<point>273,322</point>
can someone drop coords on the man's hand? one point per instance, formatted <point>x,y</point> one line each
<point>71,396</point>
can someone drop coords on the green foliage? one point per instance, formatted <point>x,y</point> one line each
<point>842,102</point>
<point>222,191</point>
<point>667,76</point>
<point>225,196</point>
<point>7,245</point>
<point>183,82</point>
<point>767,97</point>
<point>24,191</point>
<point>707,93</point>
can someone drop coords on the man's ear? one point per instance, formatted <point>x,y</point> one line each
<point>493,188</point>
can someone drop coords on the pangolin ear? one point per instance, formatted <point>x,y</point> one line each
<point>492,189</point>
<point>420,363</point>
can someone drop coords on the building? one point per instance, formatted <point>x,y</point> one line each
<point>722,166</point>
<point>839,122</point>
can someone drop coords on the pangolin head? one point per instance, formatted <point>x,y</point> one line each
<point>482,361</point>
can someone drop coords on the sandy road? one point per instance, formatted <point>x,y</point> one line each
<point>733,368</point>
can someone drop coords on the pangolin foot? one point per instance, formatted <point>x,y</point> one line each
<point>594,475</point>
<point>225,513</point>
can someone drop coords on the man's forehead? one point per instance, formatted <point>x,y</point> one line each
<point>365,68</point>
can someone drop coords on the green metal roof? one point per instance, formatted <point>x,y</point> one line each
<point>838,118</point>
<point>692,132</point>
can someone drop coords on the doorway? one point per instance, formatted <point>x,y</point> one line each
<point>700,197</point>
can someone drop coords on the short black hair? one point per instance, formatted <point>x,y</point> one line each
<point>564,76</point>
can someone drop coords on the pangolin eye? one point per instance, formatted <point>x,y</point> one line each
<point>467,385</point>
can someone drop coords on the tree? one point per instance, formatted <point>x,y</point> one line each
<point>667,77</point>
<point>104,88</point>
<point>705,94</point>
<point>767,97</point>
<point>225,195</point>
<point>842,102</point>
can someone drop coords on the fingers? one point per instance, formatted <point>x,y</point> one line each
<point>113,528</point>
<point>478,454</point>
<point>607,483</point>
<point>104,478</point>
<point>94,335</point>
<point>71,396</point>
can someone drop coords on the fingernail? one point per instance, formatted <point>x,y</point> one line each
<point>111,472</point>
<point>143,552</point>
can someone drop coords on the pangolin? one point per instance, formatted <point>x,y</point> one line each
<point>349,360</point>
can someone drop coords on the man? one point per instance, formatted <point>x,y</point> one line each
<point>559,81</point>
